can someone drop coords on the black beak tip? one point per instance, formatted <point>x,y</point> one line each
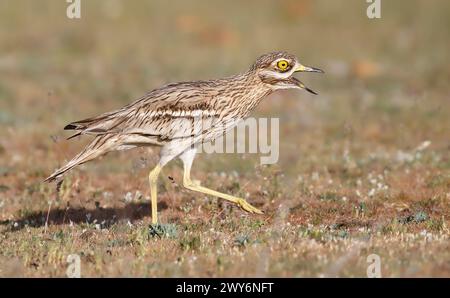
<point>311,91</point>
<point>318,70</point>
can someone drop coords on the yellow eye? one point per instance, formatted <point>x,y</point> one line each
<point>282,64</point>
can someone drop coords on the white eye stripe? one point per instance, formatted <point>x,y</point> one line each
<point>276,74</point>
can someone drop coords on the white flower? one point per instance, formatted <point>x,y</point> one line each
<point>423,146</point>
<point>128,197</point>
<point>315,176</point>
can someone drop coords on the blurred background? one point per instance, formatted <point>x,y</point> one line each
<point>385,98</point>
<point>392,72</point>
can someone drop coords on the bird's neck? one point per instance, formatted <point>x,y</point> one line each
<point>247,91</point>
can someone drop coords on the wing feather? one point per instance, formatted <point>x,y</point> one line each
<point>152,113</point>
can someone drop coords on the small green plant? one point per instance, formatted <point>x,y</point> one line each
<point>256,224</point>
<point>418,217</point>
<point>163,230</point>
<point>59,236</point>
<point>342,234</point>
<point>190,243</point>
<point>328,196</point>
<point>241,240</point>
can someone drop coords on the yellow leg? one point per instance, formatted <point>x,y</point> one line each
<point>189,184</point>
<point>153,179</point>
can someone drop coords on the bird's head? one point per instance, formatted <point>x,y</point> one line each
<point>276,69</point>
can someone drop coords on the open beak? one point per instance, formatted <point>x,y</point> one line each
<point>300,85</point>
<point>302,68</point>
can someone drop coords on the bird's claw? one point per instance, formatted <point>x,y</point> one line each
<point>247,207</point>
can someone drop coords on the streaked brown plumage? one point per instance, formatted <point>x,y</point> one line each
<point>180,116</point>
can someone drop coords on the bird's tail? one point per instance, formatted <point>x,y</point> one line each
<point>99,146</point>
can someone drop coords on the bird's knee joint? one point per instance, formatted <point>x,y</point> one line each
<point>188,183</point>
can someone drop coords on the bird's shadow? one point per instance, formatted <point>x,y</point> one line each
<point>104,217</point>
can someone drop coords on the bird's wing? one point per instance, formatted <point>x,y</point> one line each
<point>155,114</point>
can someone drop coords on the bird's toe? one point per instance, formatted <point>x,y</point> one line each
<point>248,207</point>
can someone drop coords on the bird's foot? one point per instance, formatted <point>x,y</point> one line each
<point>247,207</point>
